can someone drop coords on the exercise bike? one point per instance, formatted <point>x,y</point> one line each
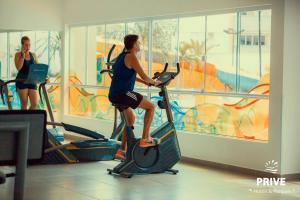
<point>157,159</point>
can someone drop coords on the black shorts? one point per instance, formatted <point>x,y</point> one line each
<point>129,99</point>
<point>21,85</point>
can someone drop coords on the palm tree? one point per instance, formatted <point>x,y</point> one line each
<point>193,50</point>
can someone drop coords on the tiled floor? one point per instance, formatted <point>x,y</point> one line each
<point>90,181</point>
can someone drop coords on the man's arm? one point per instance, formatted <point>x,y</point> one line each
<point>132,61</point>
<point>142,81</point>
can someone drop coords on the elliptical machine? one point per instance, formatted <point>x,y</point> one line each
<point>96,148</point>
<point>157,159</point>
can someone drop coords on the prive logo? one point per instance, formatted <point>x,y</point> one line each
<point>271,166</point>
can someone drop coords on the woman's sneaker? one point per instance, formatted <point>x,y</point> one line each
<point>150,142</point>
<point>120,155</point>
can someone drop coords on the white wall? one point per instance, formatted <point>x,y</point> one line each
<point>291,91</point>
<point>241,153</point>
<point>95,11</point>
<point>31,15</point>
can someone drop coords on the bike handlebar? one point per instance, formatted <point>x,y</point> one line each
<point>178,68</point>
<point>158,74</point>
<point>105,71</point>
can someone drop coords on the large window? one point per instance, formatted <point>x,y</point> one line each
<point>47,46</point>
<point>223,87</point>
<point>3,55</point>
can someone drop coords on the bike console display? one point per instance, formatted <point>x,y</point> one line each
<point>165,77</point>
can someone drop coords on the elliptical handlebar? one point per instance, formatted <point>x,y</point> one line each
<point>105,71</point>
<point>110,62</point>
<point>178,68</point>
<point>4,84</point>
<point>109,71</point>
<point>12,81</point>
<point>42,84</point>
<point>40,91</point>
<point>1,90</point>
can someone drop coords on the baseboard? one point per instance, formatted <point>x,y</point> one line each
<point>292,177</point>
<point>238,170</point>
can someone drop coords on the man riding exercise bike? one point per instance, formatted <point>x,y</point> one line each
<point>125,69</point>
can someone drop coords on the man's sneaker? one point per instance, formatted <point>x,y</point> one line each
<point>120,155</point>
<point>150,142</point>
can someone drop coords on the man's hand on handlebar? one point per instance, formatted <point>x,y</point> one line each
<point>154,83</point>
<point>157,83</point>
<point>149,83</point>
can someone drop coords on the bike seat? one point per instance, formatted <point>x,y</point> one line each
<point>120,107</point>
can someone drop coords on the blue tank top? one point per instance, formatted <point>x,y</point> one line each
<point>23,73</point>
<point>123,79</point>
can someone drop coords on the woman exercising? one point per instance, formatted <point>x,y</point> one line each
<point>23,60</point>
<point>121,91</point>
